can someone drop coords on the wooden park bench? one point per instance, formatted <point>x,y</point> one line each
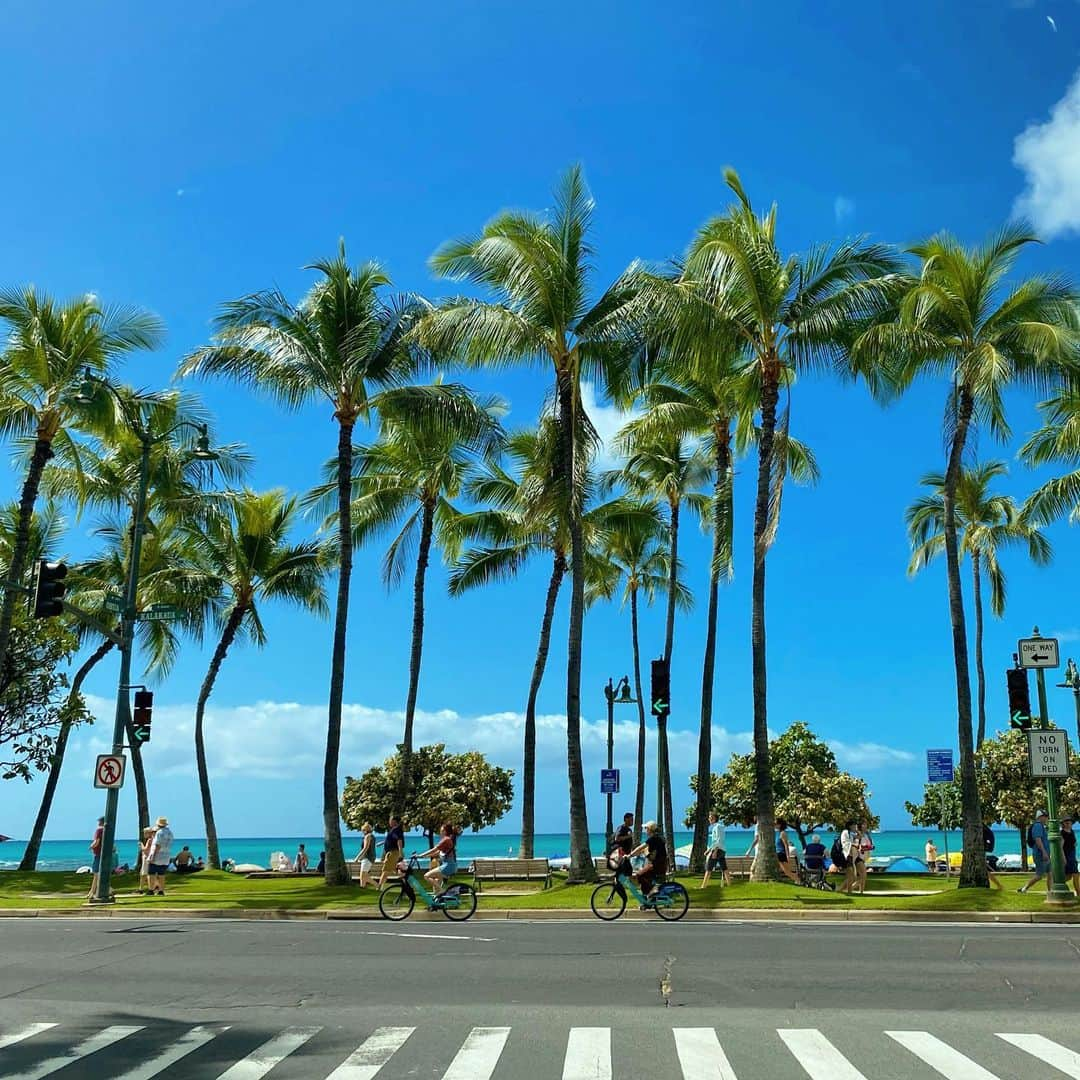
<point>739,865</point>
<point>511,870</point>
<point>354,869</point>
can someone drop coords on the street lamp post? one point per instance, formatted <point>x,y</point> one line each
<point>615,696</point>
<point>1072,682</point>
<point>121,721</point>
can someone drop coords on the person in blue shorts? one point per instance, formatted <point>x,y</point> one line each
<point>1068,847</point>
<point>1040,851</point>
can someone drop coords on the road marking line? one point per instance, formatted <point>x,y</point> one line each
<point>938,1055</point>
<point>23,1033</point>
<point>372,1054</point>
<point>440,937</point>
<point>263,1058</point>
<point>479,1054</point>
<point>818,1057</point>
<point>105,1037</point>
<point>701,1055</point>
<point>1063,1059</point>
<point>588,1054</point>
<point>188,1042</point>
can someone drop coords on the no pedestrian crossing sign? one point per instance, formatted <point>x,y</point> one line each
<point>609,781</point>
<point>939,766</point>
<point>1048,753</point>
<point>109,771</point>
<point>1039,652</point>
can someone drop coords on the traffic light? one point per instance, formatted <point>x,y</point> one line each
<point>661,688</point>
<point>1019,699</point>
<point>140,720</point>
<point>49,589</point>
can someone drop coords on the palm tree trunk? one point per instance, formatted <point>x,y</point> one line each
<point>138,770</point>
<point>581,864</point>
<point>765,866</point>
<point>337,873</point>
<point>667,824</point>
<point>528,770</point>
<point>232,624</point>
<point>33,845</point>
<point>639,792</point>
<point>423,556</point>
<point>973,869</point>
<point>665,772</point>
<point>980,674</point>
<point>16,569</point>
<point>721,496</point>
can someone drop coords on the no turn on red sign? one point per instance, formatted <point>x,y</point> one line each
<point>109,771</point>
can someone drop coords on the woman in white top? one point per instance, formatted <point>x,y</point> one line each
<point>849,844</point>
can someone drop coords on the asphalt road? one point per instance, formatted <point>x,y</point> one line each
<point>532,1001</point>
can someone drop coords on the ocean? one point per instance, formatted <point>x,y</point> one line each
<point>71,854</point>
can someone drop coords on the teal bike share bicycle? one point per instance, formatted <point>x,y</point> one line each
<point>669,900</point>
<point>397,900</point>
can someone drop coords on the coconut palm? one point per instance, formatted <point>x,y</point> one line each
<point>957,319</point>
<point>791,313</point>
<point>50,344</point>
<point>536,270</point>
<point>407,481</point>
<point>1057,441</point>
<point>346,340</point>
<point>522,517</point>
<point>987,524</point>
<point>242,557</point>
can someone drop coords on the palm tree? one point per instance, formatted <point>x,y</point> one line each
<point>346,339</point>
<point>668,467</point>
<point>242,557</point>
<point>522,516</point>
<point>637,556</point>
<point>406,480</point>
<point>791,313</point>
<point>1058,440</point>
<point>988,523</point>
<point>537,271</point>
<point>957,320</point>
<point>50,345</point>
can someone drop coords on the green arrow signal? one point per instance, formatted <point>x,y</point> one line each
<point>141,734</point>
<point>659,707</point>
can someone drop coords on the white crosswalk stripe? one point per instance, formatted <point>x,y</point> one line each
<point>701,1055</point>
<point>588,1054</point>
<point>23,1033</point>
<point>1063,1059</point>
<point>180,1048</point>
<point>940,1056</point>
<point>90,1045</point>
<point>479,1054</point>
<point>372,1054</point>
<point>818,1057</point>
<point>262,1059</point>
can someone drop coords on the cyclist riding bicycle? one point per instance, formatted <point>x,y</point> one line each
<point>656,860</point>
<point>446,852</point>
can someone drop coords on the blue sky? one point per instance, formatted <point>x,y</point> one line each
<point>178,157</point>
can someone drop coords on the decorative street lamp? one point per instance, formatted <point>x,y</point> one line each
<point>615,696</point>
<point>86,395</point>
<point>1072,682</point>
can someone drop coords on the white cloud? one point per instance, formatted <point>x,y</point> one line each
<point>608,420</point>
<point>1049,155</point>
<point>843,209</point>
<point>1065,636</point>
<point>869,755</point>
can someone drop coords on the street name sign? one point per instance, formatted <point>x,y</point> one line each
<point>1040,652</point>
<point>609,781</point>
<point>1048,753</point>
<point>114,603</point>
<point>159,613</point>
<point>939,766</point>
<point>109,771</point>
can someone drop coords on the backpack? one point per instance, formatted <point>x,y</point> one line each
<point>1030,838</point>
<point>837,854</point>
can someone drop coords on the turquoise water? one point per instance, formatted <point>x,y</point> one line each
<point>71,854</point>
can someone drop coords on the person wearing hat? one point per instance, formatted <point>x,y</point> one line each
<point>159,856</point>
<point>1068,847</point>
<point>1040,851</point>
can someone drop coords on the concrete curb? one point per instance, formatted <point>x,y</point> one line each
<point>1070,918</point>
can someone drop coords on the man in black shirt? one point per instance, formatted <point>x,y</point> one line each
<point>624,837</point>
<point>393,846</point>
<point>656,858</point>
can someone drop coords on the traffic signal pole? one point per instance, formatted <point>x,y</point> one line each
<point>1059,894</point>
<point>123,704</point>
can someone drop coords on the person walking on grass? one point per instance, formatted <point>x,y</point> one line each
<point>144,860</point>
<point>95,851</point>
<point>1040,850</point>
<point>1068,847</point>
<point>393,845</point>
<point>366,856</point>
<point>849,845</point>
<point>785,851</point>
<point>716,856</point>
<point>159,856</point>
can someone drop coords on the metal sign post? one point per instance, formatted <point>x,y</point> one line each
<point>939,770</point>
<point>1040,653</point>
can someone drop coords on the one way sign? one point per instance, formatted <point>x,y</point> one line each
<point>1039,652</point>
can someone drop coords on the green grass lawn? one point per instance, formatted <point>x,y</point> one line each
<point>221,891</point>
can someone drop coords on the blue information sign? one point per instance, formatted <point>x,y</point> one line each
<point>939,766</point>
<point>609,781</point>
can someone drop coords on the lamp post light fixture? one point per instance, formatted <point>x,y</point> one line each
<point>87,393</point>
<point>619,695</point>
<point>1071,682</point>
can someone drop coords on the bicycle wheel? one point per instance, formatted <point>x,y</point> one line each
<point>466,902</point>
<point>608,901</point>
<point>673,902</point>
<point>396,903</point>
